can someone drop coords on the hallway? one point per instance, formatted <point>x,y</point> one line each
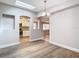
<point>37,49</point>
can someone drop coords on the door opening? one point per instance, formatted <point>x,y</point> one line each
<point>24,31</point>
<point>46,29</point>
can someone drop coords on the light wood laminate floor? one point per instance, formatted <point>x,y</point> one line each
<point>37,49</point>
<point>24,40</point>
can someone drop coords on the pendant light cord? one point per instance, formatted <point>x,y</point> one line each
<point>45,1</point>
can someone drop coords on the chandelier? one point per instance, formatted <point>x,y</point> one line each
<point>44,14</point>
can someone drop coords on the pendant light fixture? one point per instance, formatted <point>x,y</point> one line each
<point>44,14</point>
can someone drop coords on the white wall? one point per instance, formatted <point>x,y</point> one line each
<point>11,36</point>
<point>37,33</point>
<point>64,28</point>
<point>11,2</point>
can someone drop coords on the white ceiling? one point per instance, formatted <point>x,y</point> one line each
<point>39,4</point>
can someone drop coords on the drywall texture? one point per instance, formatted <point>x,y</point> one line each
<point>11,36</point>
<point>64,27</point>
<point>37,33</point>
<point>11,2</point>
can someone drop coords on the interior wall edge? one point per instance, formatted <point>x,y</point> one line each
<point>17,7</point>
<point>65,46</point>
<point>8,45</point>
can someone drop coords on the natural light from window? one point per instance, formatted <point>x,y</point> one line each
<point>45,26</point>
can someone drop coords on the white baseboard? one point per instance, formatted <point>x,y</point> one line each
<point>64,46</point>
<point>41,38</point>
<point>8,45</point>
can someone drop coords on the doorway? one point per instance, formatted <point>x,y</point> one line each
<point>46,29</point>
<point>24,31</point>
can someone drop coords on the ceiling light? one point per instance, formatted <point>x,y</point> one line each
<point>45,9</point>
<point>44,13</point>
<point>25,5</point>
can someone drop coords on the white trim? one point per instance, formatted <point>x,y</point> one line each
<point>64,46</point>
<point>25,5</point>
<point>8,45</point>
<point>41,38</point>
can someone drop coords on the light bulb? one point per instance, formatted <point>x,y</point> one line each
<point>44,14</point>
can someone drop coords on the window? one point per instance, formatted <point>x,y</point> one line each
<point>45,26</point>
<point>34,25</point>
